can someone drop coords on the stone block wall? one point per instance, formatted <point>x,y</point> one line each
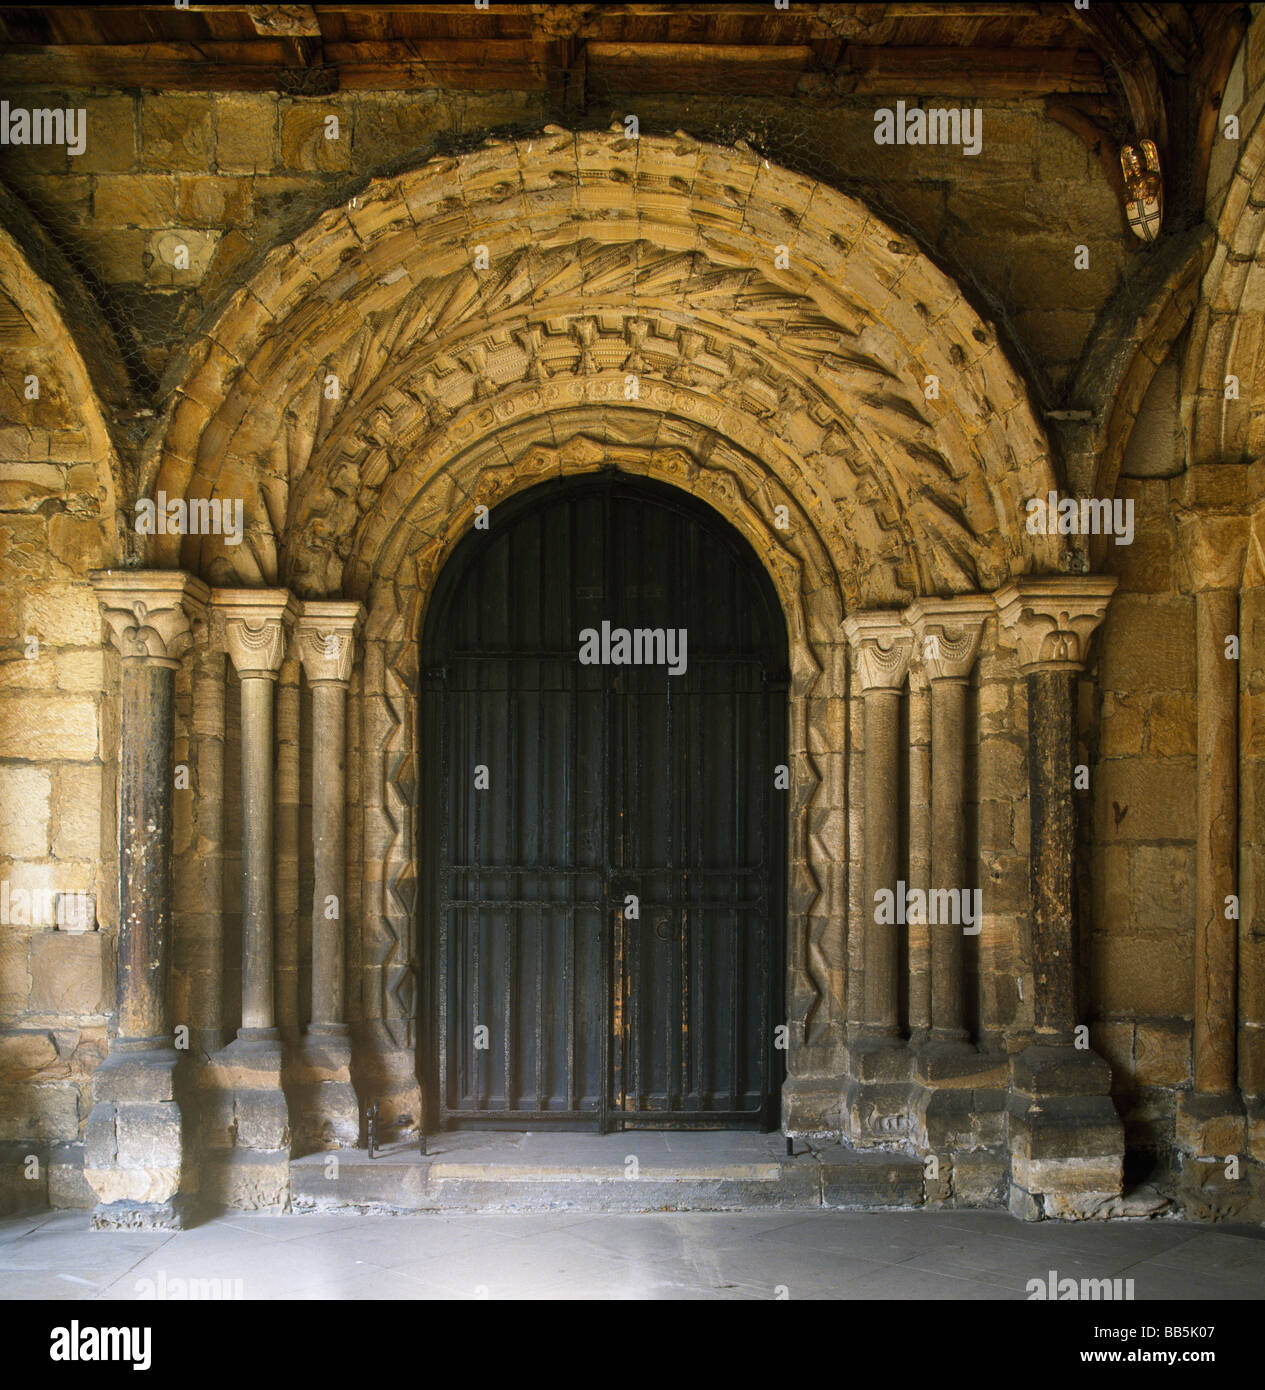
<point>227,175</point>
<point>58,743</point>
<point>1138,714</point>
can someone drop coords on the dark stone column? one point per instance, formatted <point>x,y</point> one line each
<point>1066,1140</point>
<point>134,1142</point>
<point>147,734</point>
<point>1051,756</point>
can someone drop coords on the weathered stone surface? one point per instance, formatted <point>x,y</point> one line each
<point>139,200</point>
<point>695,223</point>
<point>43,1111</point>
<point>28,1053</point>
<point>68,974</point>
<point>24,811</point>
<point>50,728</point>
<point>176,132</point>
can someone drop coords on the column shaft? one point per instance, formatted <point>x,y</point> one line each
<point>920,840</point>
<point>948,810</point>
<point>258,1007</point>
<point>882,848</point>
<point>148,730</point>
<point>1216,842</point>
<point>1051,756</point>
<point>208,732</point>
<point>329,788</point>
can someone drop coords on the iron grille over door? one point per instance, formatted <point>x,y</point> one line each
<point>557,792</point>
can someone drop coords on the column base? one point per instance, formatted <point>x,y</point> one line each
<point>1211,1126</point>
<point>811,1107</point>
<point>1210,1129</point>
<point>877,1097</point>
<point>135,1142</point>
<point>1066,1139</point>
<point>325,1113</point>
<point>383,1071</point>
<point>177,1214</point>
<point>959,1098</point>
<point>246,1125</point>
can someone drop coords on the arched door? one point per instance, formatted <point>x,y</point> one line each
<point>604,715</point>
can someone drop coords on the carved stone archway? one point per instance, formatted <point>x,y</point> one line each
<point>552,306</point>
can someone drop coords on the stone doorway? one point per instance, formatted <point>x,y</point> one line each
<point>604,902</point>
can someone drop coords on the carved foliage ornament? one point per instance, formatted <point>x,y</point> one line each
<point>151,617</point>
<point>1051,621</point>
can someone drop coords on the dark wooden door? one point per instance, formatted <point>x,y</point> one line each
<point>606,876</point>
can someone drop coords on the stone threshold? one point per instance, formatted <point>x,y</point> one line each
<point>635,1171</point>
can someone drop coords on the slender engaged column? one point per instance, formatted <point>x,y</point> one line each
<point>881,645</point>
<point>946,637</point>
<point>208,732</point>
<point>134,1138</point>
<point>286,849</point>
<point>1212,535</point>
<point>326,636</point>
<point>919,847</point>
<point>255,629</point>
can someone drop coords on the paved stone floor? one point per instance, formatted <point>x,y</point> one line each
<point>689,1255</point>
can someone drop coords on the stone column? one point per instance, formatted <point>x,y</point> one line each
<point>1067,1142</point>
<point>947,1065</point>
<point>877,1093</point>
<point>1212,534</point>
<point>946,637</point>
<point>248,1117</point>
<point>208,734</point>
<point>919,848</point>
<point>256,624</point>
<point>134,1155</point>
<point>326,640</point>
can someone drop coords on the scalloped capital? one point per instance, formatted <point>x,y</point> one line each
<point>947,633</point>
<point>882,645</point>
<point>254,627</point>
<point>325,639</point>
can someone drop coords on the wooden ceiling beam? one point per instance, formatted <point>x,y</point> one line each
<point>1014,71</point>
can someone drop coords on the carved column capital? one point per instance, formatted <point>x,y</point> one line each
<point>947,633</point>
<point>325,639</point>
<point>151,614</point>
<point>254,625</point>
<point>1051,618</point>
<point>882,645</point>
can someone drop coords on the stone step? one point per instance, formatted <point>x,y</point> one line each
<point>633,1172</point>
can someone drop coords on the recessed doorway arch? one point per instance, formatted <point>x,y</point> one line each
<point>603,920</point>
